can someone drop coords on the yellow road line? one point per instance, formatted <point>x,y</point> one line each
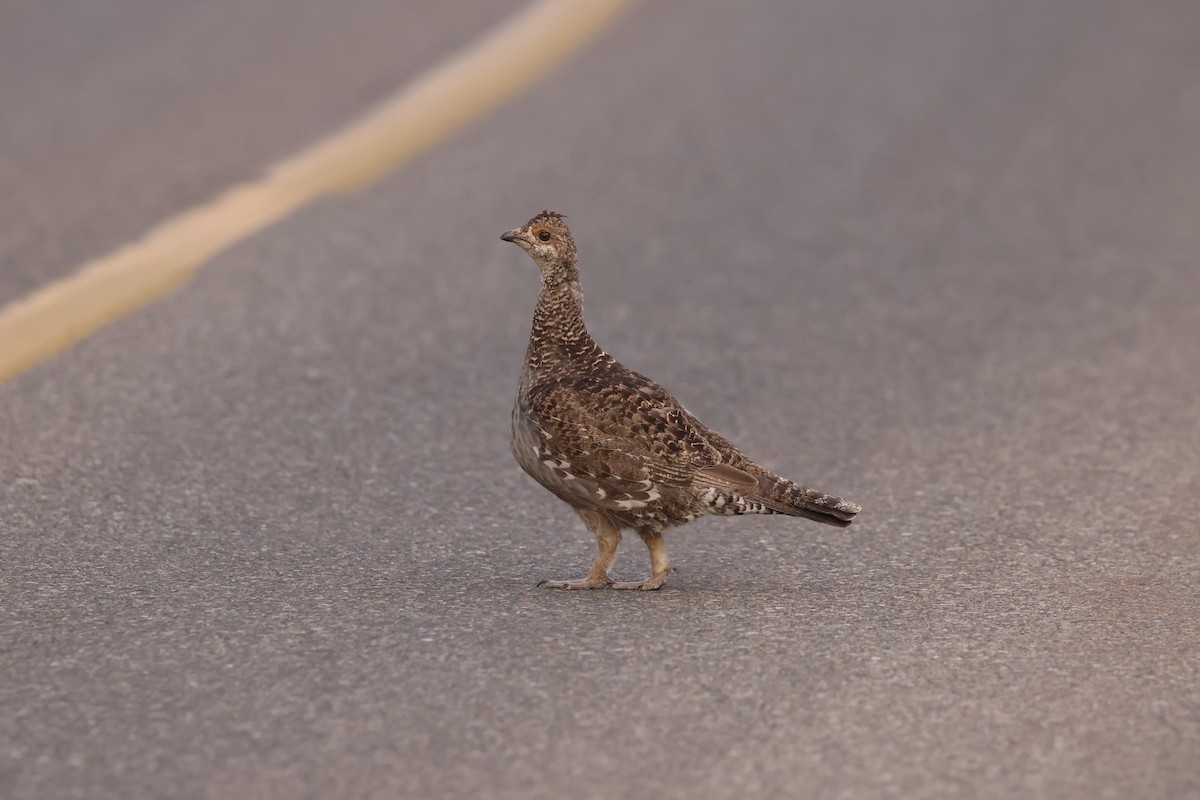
<point>465,86</point>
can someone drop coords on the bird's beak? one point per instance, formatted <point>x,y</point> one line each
<point>509,236</point>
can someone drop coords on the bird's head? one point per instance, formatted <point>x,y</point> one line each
<point>548,241</point>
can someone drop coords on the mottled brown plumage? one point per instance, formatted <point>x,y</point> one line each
<point>617,447</point>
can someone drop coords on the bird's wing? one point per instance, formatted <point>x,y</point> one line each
<point>621,444</point>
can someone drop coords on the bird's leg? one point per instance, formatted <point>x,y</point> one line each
<point>658,563</point>
<point>608,536</point>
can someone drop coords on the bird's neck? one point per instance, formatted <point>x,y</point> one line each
<point>558,332</point>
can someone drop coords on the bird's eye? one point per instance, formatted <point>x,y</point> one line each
<point>544,236</point>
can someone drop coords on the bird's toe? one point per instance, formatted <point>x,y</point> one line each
<point>655,581</point>
<point>582,583</point>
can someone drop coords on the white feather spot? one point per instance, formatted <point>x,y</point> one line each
<point>652,494</point>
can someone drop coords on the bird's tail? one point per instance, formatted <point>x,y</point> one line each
<point>784,497</point>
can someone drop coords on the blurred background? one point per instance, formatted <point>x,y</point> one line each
<point>264,537</point>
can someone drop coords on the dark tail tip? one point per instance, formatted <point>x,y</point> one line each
<point>786,497</point>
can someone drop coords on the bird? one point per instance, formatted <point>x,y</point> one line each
<point>614,445</point>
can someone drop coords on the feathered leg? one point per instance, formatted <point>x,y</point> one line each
<point>608,536</point>
<point>658,563</point>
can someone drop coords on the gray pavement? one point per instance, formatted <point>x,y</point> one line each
<point>265,539</point>
<point>119,114</point>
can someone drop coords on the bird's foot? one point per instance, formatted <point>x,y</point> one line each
<point>584,583</point>
<point>655,581</point>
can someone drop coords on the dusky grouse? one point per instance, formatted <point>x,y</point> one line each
<point>617,447</point>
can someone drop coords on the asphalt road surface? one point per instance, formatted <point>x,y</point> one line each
<point>264,538</point>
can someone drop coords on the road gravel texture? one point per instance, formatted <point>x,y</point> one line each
<point>264,538</point>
